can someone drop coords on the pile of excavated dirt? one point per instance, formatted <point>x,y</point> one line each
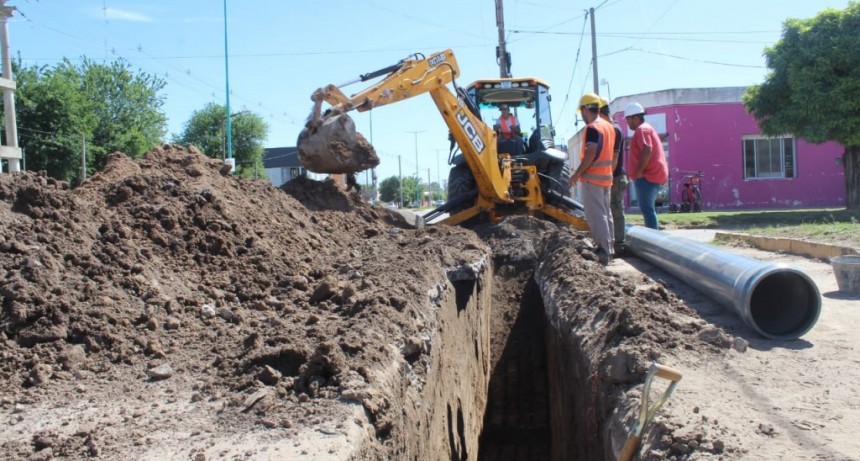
<point>166,310</point>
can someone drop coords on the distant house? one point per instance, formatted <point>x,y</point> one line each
<point>708,131</point>
<point>282,164</point>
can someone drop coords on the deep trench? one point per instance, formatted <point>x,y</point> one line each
<point>538,399</point>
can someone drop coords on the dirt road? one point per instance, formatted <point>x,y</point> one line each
<point>778,399</point>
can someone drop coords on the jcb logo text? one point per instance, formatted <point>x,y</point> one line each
<point>470,130</point>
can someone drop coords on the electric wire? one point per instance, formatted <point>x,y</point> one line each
<point>573,70</point>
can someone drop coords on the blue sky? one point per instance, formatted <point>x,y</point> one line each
<point>280,51</point>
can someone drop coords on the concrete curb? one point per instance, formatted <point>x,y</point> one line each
<point>796,247</point>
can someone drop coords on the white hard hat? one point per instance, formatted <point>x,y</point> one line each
<point>634,108</point>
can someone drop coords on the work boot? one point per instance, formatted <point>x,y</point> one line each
<point>621,250</point>
<point>603,256</point>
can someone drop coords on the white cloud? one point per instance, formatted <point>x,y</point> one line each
<point>121,15</point>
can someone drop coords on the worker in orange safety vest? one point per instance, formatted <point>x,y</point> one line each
<point>507,125</point>
<point>595,173</point>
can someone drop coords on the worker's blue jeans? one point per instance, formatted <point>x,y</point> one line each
<point>646,194</point>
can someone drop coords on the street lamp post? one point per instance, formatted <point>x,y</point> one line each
<point>417,176</point>
<point>226,145</point>
<point>227,90</point>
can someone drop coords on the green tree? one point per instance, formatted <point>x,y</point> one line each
<point>389,189</point>
<point>127,105</point>
<point>206,129</point>
<point>812,87</point>
<point>98,107</point>
<point>412,190</point>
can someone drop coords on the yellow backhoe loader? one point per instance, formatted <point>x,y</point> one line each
<point>491,177</point>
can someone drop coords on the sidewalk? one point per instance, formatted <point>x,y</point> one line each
<point>808,249</point>
<point>804,248</point>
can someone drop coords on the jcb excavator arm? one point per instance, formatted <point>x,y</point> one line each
<point>409,78</point>
<point>329,143</point>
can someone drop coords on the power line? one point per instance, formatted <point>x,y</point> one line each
<point>637,36</point>
<point>575,64</point>
<point>696,60</point>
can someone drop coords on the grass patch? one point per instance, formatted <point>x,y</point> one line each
<point>831,225</point>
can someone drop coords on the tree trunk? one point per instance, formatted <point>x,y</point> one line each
<point>851,165</point>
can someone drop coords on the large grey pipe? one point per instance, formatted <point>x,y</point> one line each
<point>776,300</point>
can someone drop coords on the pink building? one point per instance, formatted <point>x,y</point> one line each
<point>707,130</point>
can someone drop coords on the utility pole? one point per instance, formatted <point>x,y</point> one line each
<point>501,51</point>
<point>429,181</point>
<point>228,127</point>
<point>417,177</point>
<point>372,170</point>
<point>10,152</point>
<point>594,52</point>
<point>400,174</point>
<point>439,174</point>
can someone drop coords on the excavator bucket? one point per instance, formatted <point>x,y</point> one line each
<point>331,145</point>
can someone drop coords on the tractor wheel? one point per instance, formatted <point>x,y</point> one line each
<point>461,184</point>
<point>559,174</point>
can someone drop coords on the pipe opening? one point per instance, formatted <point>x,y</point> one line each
<point>784,304</point>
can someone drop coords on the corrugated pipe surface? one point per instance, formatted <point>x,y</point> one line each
<point>776,300</point>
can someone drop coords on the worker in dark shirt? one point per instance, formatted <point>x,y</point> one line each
<point>619,181</point>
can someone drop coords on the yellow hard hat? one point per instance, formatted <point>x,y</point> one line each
<point>589,99</point>
<point>603,102</point>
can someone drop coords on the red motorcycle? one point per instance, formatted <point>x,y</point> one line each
<point>691,193</point>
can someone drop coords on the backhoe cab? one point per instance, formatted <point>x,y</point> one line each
<point>533,155</point>
<point>489,179</point>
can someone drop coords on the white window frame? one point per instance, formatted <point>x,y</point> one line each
<point>781,145</point>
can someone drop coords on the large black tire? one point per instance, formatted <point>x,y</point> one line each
<point>461,185</point>
<point>559,174</point>
<point>462,192</point>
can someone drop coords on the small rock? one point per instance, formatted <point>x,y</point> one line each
<point>766,429</point>
<point>40,374</point>
<point>269,376</point>
<point>719,446</point>
<point>226,314</point>
<point>172,323</point>
<point>715,336</point>
<point>412,349</point>
<point>681,448</point>
<point>740,344</point>
<point>160,372</point>
<point>268,423</point>
<point>44,440</point>
<point>255,397</point>
<point>73,357</point>
<point>208,311</point>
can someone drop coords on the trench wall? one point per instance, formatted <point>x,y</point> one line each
<point>589,414</point>
<point>443,417</point>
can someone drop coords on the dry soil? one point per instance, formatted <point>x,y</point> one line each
<point>166,310</point>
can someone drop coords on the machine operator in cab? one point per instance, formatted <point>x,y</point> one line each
<point>506,125</point>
